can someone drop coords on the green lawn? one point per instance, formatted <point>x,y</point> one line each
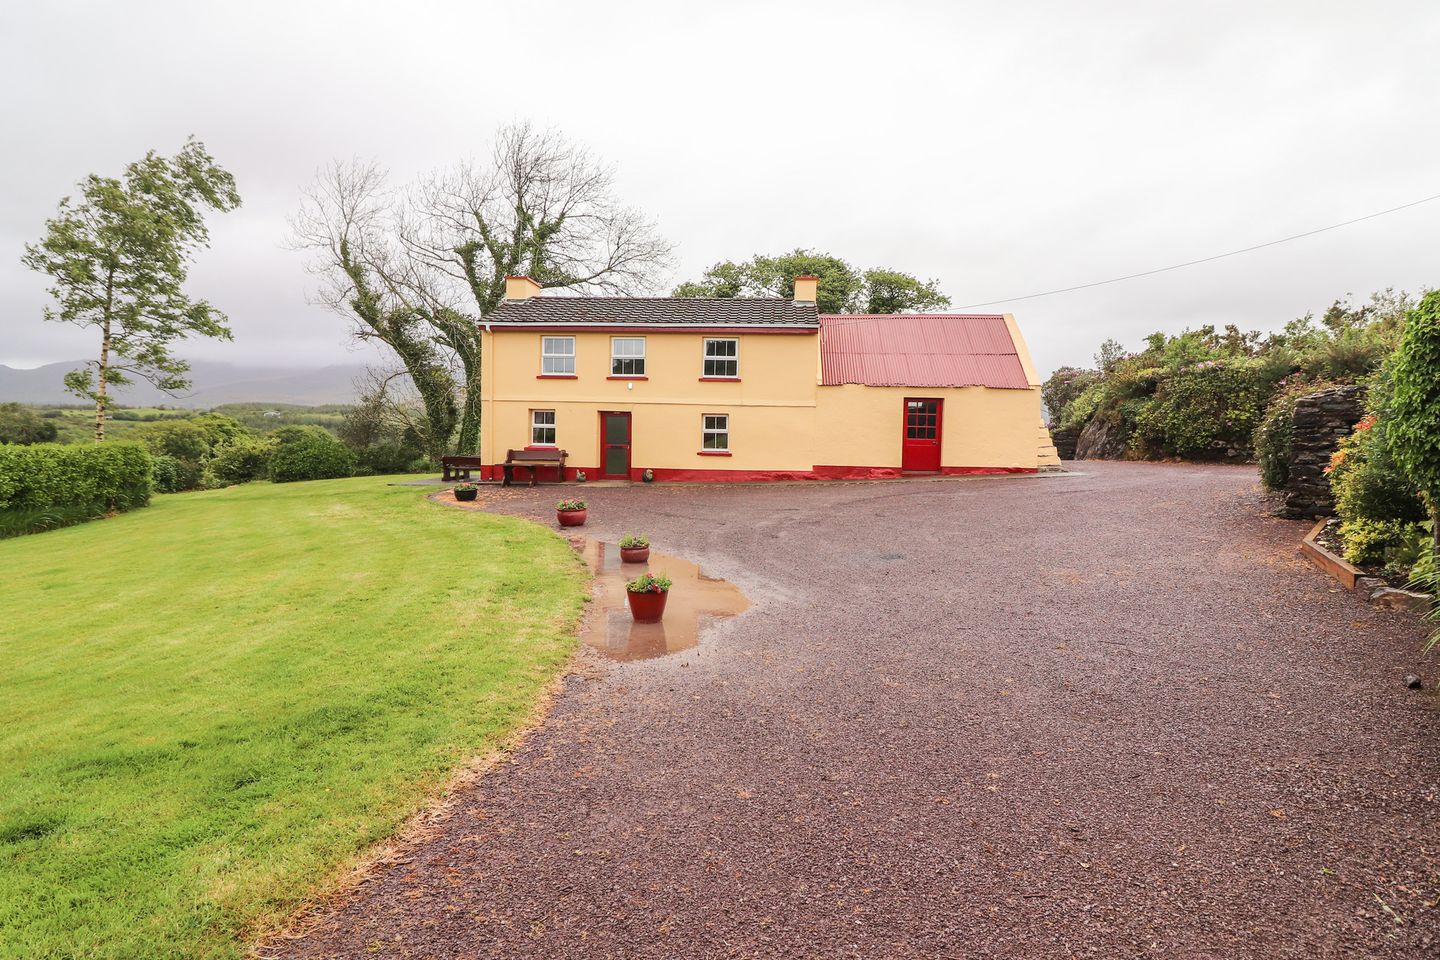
<point>209,706</point>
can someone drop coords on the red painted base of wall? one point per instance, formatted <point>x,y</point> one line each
<point>686,475</point>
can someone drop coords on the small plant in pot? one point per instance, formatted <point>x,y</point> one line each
<point>634,548</point>
<point>570,513</point>
<point>647,595</point>
<point>466,491</point>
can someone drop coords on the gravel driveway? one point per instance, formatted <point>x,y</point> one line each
<point>1104,715</point>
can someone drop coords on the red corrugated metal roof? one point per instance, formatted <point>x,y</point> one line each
<point>919,350</point>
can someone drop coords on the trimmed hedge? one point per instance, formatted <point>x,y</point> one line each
<point>75,477</point>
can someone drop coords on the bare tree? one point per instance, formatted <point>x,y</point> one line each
<point>436,255</point>
<point>349,220</point>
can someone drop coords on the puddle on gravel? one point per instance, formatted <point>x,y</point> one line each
<point>695,602</point>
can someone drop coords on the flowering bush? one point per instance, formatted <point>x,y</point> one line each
<point>648,583</point>
<point>465,487</point>
<point>634,541</point>
<point>567,505</point>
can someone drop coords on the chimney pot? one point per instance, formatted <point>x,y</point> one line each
<point>521,288</point>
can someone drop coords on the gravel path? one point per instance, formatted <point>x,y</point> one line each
<point>1108,715</point>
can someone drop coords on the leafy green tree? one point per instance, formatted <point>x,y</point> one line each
<point>119,257</point>
<point>1413,430</point>
<point>890,291</point>
<point>24,426</point>
<point>842,288</point>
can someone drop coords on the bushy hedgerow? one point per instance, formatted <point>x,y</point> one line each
<point>308,453</point>
<point>1204,392</point>
<point>76,481</point>
<point>1207,410</point>
<point>189,452</point>
<point>239,461</point>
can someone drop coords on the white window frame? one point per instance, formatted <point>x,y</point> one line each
<point>548,354</point>
<point>628,357</point>
<point>707,431</point>
<point>537,424</point>
<point>705,358</point>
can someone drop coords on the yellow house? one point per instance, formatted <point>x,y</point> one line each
<point>755,389</point>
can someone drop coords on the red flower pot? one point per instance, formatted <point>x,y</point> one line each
<point>647,607</point>
<point>570,518</point>
<point>634,554</point>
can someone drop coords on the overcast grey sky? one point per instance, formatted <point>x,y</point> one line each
<point>1001,148</point>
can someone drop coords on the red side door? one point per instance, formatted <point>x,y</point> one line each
<point>920,448</point>
<point>614,446</point>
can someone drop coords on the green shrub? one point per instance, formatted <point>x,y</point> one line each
<point>167,474</point>
<point>1364,477</point>
<point>22,425</point>
<point>1413,414</point>
<point>240,461</point>
<point>1063,387</point>
<point>308,453</point>
<point>389,458</point>
<point>1209,409</point>
<point>181,439</point>
<point>73,481</point>
<point>1369,543</point>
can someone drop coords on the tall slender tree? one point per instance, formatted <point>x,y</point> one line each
<point>119,256</point>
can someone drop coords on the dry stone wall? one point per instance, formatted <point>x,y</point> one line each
<point>1321,421</point>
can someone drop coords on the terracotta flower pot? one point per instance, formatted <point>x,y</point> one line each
<point>634,554</point>
<point>570,518</point>
<point>465,494</point>
<point>647,607</point>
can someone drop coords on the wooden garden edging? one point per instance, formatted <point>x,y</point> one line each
<point>1346,573</point>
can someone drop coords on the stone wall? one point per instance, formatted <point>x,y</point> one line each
<point>1064,440</point>
<point>1321,421</point>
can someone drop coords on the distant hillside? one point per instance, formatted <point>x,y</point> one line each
<point>215,383</point>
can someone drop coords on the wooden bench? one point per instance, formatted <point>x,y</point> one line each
<point>534,459</point>
<point>458,468</point>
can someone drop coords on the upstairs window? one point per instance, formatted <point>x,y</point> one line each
<point>542,427</point>
<point>627,356</point>
<point>716,432</point>
<point>722,358</point>
<point>557,356</point>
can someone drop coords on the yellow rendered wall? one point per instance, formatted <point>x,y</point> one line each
<point>780,419</point>
<point>771,407</point>
<point>980,427</point>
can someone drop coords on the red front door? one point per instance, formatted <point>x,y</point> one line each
<point>615,446</point>
<point>920,448</point>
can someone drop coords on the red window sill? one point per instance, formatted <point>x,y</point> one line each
<point>722,379</point>
<point>556,376</point>
<point>627,378</point>
<point>713,453</point>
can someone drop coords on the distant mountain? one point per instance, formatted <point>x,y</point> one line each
<point>214,384</point>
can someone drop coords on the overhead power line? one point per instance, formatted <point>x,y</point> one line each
<point>1191,263</point>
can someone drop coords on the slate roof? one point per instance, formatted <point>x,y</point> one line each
<point>920,350</point>
<point>658,311</point>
